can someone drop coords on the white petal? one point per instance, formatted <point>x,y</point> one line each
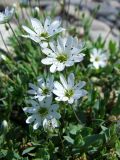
<point>60,67</point>
<point>54,107</point>
<point>80,93</point>
<point>58,85</point>
<point>35,38</point>
<point>56,115</point>
<point>33,86</point>
<point>40,98</point>
<point>103,63</point>
<point>52,46</point>
<point>47,101</point>
<point>37,26</point>
<point>36,124</point>
<point>30,119</point>
<point>55,24</point>
<point>30,109</point>
<point>64,98</point>
<point>44,44</point>
<point>54,123</point>
<point>53,68</point>
<point>69,63</point>
<point>59,93</point>
<point>96,65</point>
<point>60,42</point>
<point>68,43</point>
<point>71,80</point>
<point>63,81</point>
<point>53,27</point>
<point>32,92</point>
<point>80,85</point>
<point>71,100</point>
<point>47,61</point>
<point>47,23</point>
<point>28,30</point>
<point>47,51</point>
<point>78,58</point>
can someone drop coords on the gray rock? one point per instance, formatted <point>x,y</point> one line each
<point>77,2</point>
<point>105,8</point>
<point>111,18</point>
<point>116,32</point>
<point>99,28</point>
<point>115,4</point>
<point>109,23</point>
<point>76,12</point>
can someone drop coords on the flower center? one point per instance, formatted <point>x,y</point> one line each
<point>43,111</point>
<point>97,59</point>
<point>44,34</point>
<point>62,57</point>
<point>69,93</point>
<point>45,91</point>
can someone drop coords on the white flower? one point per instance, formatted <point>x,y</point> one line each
<point>98,58</point>
<point>67,90</point>
<point>62,54</point>
<point>7,15</point>
<point>42,32</point>
<point>50,124</point>
<point>41,112</point>
<point>43,90</point>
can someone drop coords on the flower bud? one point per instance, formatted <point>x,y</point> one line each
<point>4,126</point>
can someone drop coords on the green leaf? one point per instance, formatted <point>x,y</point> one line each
<point>75,128</point>
<point>43,154</point>
<point>97,105</point>
<point>69,139</point>
<point>116,108</point>
<point>28,150</point>
<point>89,140</point>
<point>3,153</point>
<point>112,47</point>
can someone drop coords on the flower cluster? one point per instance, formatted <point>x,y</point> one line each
<point>59,53</point>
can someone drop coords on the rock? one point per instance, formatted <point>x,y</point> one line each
<point>56,7</point>
<point>111,18</point>
<point>72,10</point>
<point>8,2</point>
<point>115,4</point>
<point>116,32</point>
<point>99,28</point>
<point>105,8</point>
<point>118,24</point>
<point>98,25</point>
<point>109,23</point>
<point>76,2</point>
<point>76,12</point>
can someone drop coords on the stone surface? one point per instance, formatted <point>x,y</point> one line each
<point>99,28</point>
<point>75,12</point>
<point>115,4</point>
<point>106,25</point>
<point>105,8</point>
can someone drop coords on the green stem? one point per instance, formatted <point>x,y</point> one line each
<point>76,115</point>
<point>15,35</point>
